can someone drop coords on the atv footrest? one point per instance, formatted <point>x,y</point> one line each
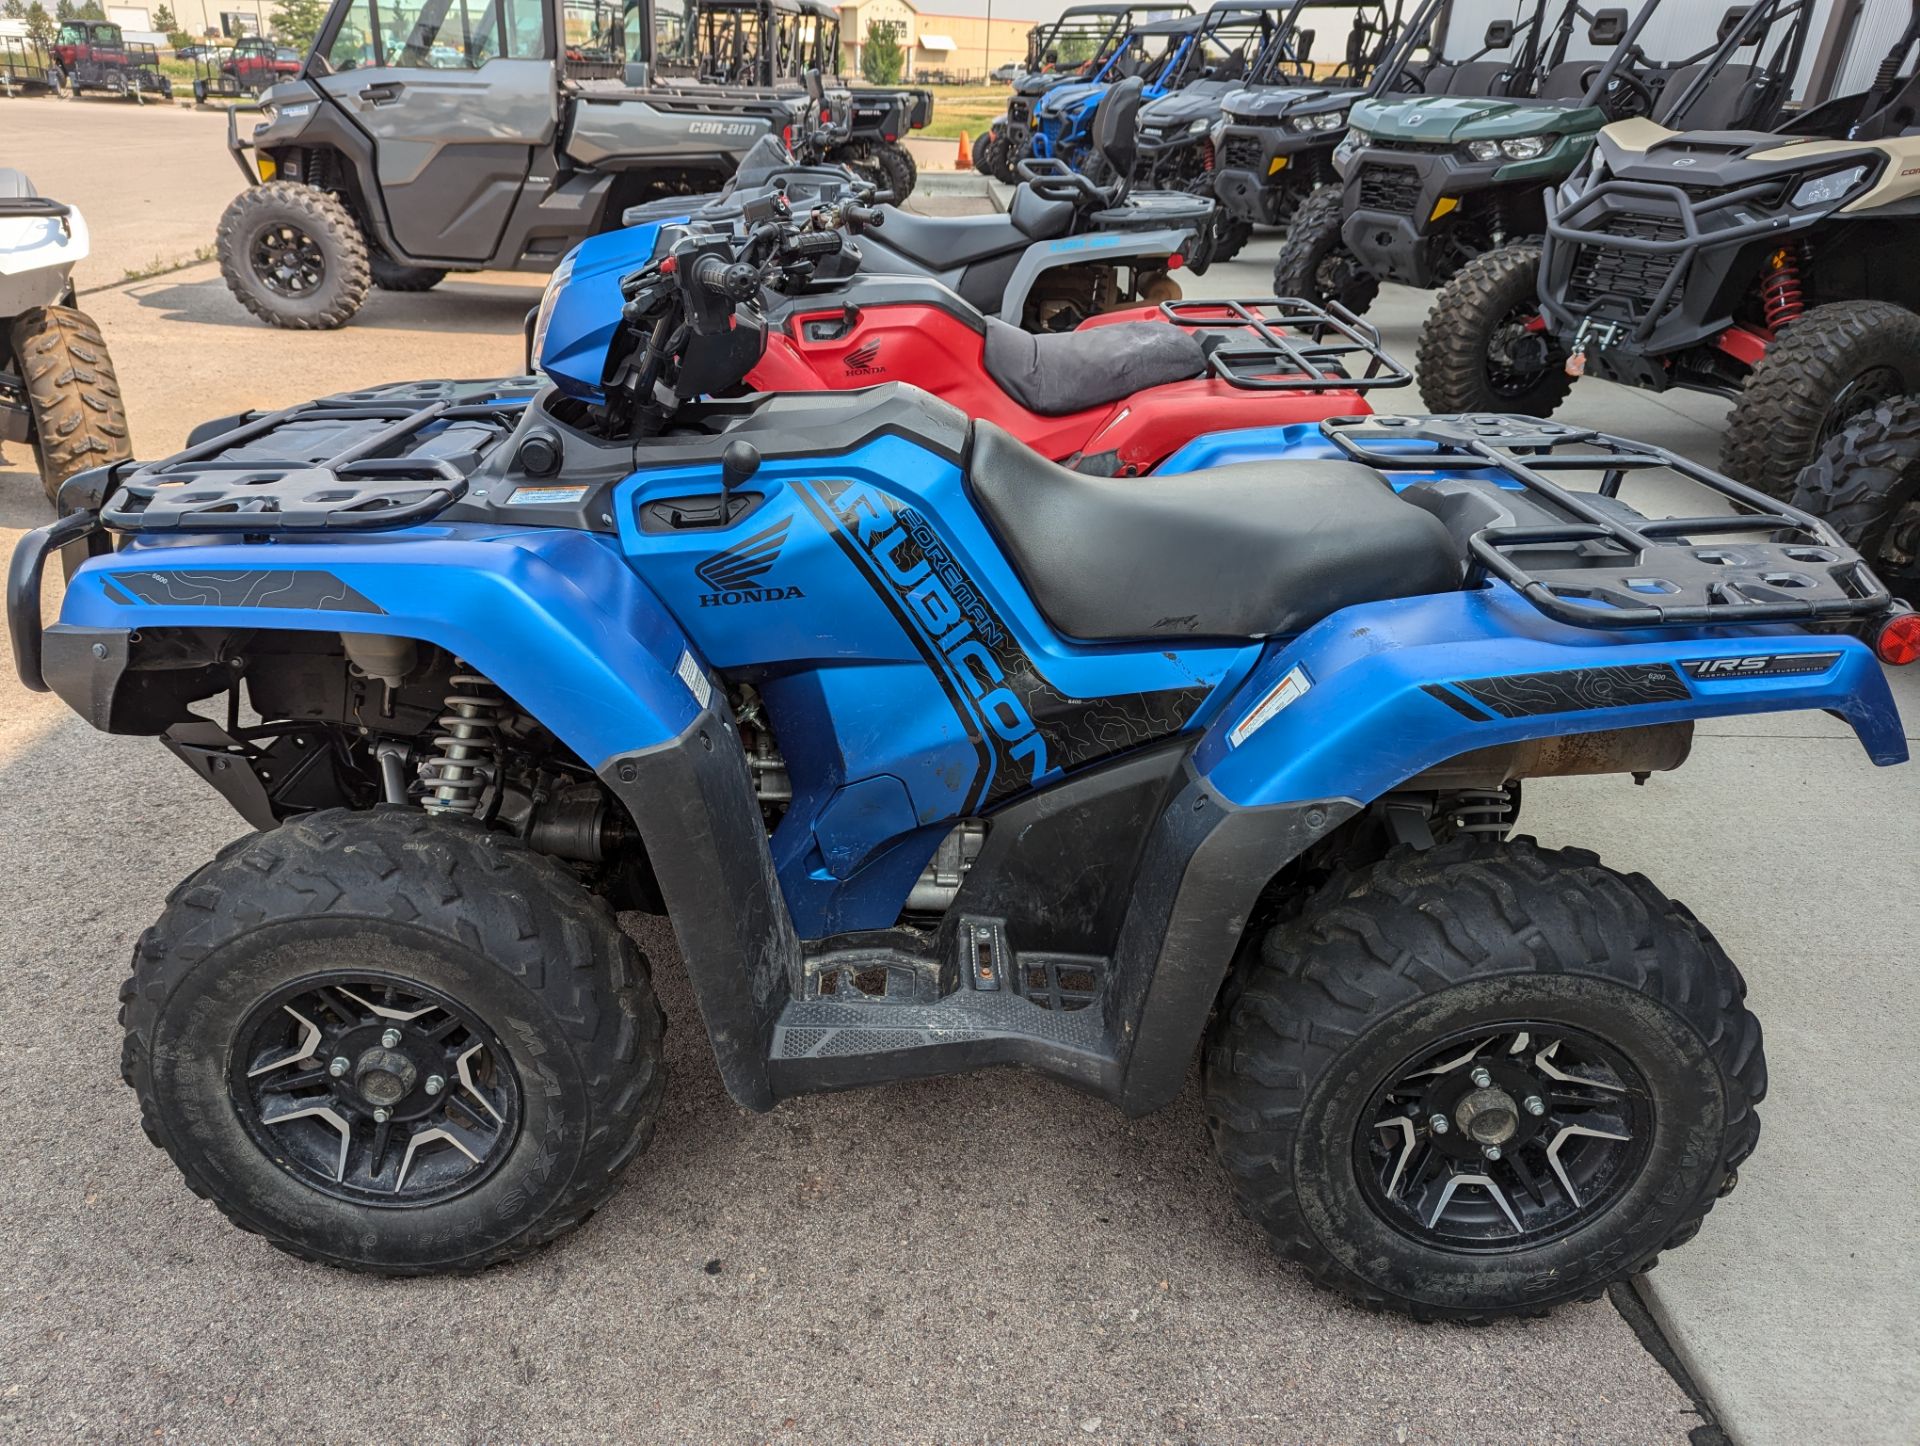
<point>1284,344</point>
<point>873,1014</point>
<point>1760,561</point>
<point>356,462</point>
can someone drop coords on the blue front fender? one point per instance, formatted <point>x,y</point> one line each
<point>555,618</point>
<point>1394,688</point>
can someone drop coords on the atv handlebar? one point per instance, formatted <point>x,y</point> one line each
<point>734,279</point>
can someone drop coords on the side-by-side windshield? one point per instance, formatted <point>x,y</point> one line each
<point>436,34</point>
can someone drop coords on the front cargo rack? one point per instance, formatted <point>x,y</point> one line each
<point>360,461</point>
<point>1762,562</point>
<point>1294,346</point>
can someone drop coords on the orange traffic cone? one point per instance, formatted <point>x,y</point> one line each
<point>964,161</point>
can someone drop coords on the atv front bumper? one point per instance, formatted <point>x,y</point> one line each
<point>1634,271</point>
<point>1262,172</point>
<point>1398,203</point>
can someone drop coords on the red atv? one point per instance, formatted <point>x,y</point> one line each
<point>255,63</point>
<point>1115,397</point>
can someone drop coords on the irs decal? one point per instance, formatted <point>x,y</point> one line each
<point>1759,665</point>
<point>1024,730</point>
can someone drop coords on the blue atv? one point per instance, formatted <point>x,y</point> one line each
<point>1164,55</point>
<point>937,756</point>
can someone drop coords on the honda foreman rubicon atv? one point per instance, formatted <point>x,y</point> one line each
<point>937,756</point>
<point>391,162</point>
<point>1274,145</point>
<point>1073,48</point>
<point>1773,269</point>
<point>1449,184</point>
<point>1180,134</point>
<point>1116,397</point>
<point>1064,250</point>
<point>1865,484</point>
<point>58,391</point>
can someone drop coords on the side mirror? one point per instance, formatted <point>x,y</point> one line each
<point>1730,22</point>
<point>637,74</point>
<point>1609,27</point>
<point>1499,35</point>
<point>816,89</point>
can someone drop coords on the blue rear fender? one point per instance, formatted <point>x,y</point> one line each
<point>553,617</point>
<point>1376,694</point>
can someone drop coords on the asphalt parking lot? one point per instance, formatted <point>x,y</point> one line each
<point>993,1257</point>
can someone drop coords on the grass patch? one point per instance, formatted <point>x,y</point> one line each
<point>969,108</point>
<point>161,265</point>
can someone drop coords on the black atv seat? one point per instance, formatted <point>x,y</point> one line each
<point>1252,550</point>
<point>1471,78</point>
<point>1719,107</point>
<point>944,243</point>
<point>1069,371</point>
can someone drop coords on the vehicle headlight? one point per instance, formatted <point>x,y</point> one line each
<point>1354,140</point>
<point>299,111</point>
<point>1329,120</point>
<point>556,283</point>
<point>1519,148</point>
<point>1199,127</point>
<point>1823,190</point>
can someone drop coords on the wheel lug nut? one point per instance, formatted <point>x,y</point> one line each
<point>381,1116</point>
<point>1492,1152</point>
<point>1481,1077</point>
<point>435,1084</point>
<point>391,1039</point>
<point>1438,1124</point>
<point>1535,1105</point>
<point>339,1066</point>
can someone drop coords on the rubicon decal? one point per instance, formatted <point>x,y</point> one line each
<point>1024,730</point>
<point>735,573</point>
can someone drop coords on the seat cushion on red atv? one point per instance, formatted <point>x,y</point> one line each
<point>1251,550</point>
<point>946,243</point>
<point>1069,371</point>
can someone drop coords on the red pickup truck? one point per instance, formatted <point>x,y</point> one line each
<point>258,63</point>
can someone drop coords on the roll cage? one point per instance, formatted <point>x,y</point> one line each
<point>1088,35</point>
<point>1372,37</point>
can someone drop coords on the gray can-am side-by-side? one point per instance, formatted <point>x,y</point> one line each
<point>391,161</point>
<point>1274,144</point>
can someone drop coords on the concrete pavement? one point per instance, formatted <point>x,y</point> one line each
<point>985,1258</point>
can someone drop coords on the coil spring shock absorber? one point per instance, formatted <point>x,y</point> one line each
<point>1781,299</point>
<point>467,746</point>
<point>1482,811</point>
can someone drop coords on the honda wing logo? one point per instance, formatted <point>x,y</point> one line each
<point>861,360</point>
<point>733,574</point>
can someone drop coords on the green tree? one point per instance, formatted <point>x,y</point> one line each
<point>163,19</point>
<point>297,22</point>
<point>881,61</point>
<point>89,11</point>
<point>40,25</point>
<point>14,9</point>
<point>63,10</point>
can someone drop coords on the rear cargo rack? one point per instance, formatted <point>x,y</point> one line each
<point>1296,346</point>
<point>371,460</point>
<point>1763,562</point>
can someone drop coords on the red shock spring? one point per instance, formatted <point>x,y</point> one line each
<point>1206,155</point>
<point>1781,298</point>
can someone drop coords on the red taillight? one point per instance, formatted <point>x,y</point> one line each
<point>1899,640</point>
<point>786,136</point>
<point>1174,263</point>
<point>826,116</point>
<point>888,136</point>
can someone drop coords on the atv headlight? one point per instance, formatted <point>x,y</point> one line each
<point>1199,127</point>
<point>1824,190</point>
<point>1328,120</point>
<point>1354,140</point>
<point>299,111</point>
<point>556,283</point>
<point>1518,148</point>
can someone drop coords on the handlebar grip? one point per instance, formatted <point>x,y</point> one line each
<point>863,216</point>
<point>814,243</point>
<point>733,279</point>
